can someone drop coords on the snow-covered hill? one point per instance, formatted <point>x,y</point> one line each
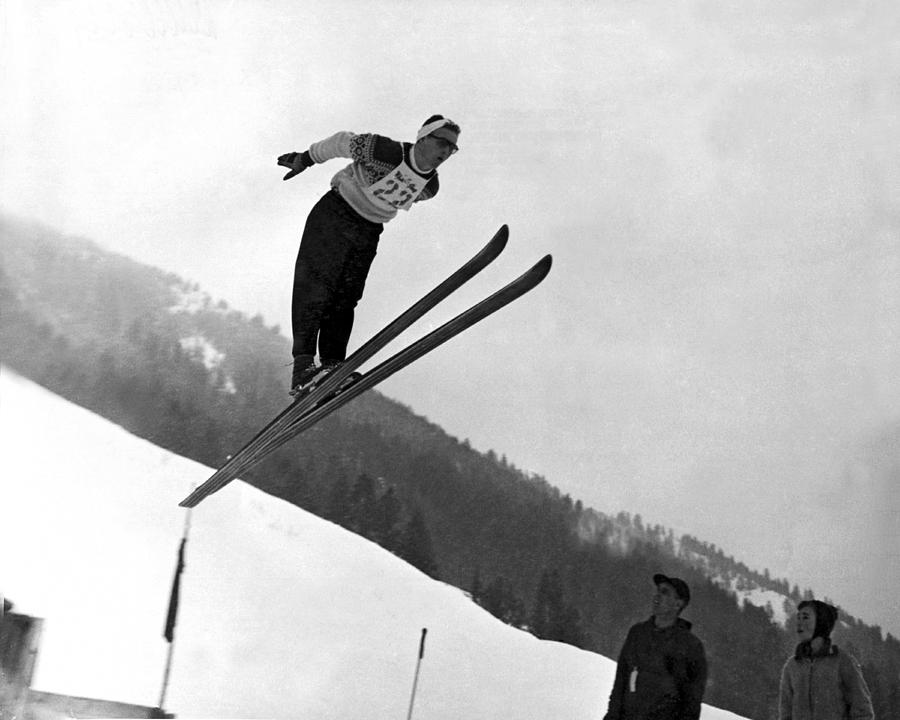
<point>282,613</point>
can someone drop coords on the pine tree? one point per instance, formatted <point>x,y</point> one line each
<point>416,546</point>
<point>338,506</point>
<point>547,605</point>
<point>362,506</point>
<point>477,588</point>
<point>554,619</point>
<point>500,599</point>
<point>386,521</point>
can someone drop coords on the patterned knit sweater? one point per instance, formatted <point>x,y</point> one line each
<point>383,176</point>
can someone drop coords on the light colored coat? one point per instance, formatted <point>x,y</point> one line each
<point>829,686</point>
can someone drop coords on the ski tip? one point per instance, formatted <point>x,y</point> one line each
<point>542,267</point>
<point>191,500</point>
<point>500,238</point>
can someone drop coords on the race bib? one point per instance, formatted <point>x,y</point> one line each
<point>398,189</point>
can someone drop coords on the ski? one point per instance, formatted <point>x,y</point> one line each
<point>401,359</point>
<point>404,357</point>
<point>332,382</point>
<point>518,287</point>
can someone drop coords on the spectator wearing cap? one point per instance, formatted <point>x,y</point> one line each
<point>821,682</point>
<point>342,230</point>
<point>661,670</point>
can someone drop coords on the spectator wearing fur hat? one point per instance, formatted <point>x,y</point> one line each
<point>661,671</point>
<point>821,682</point>
<point>343,228</point>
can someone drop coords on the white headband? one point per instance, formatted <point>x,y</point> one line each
<point>432,126</point>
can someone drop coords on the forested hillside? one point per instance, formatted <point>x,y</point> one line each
<point>149,351</point>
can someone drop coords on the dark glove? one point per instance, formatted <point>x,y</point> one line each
<point>295,161</point>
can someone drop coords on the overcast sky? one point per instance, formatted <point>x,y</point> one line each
<point>717,345</point>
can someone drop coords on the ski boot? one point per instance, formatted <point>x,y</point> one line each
<point>305,370</point>
<point>329,366</point>
<point>307,375</point>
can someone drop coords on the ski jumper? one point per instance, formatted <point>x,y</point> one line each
<point>342,231</point>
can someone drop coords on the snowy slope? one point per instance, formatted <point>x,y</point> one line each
<point>282,613</point>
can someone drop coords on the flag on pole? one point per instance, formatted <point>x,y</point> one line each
<point>171,617</point>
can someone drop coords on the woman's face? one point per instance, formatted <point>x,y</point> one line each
<point>806,623</point>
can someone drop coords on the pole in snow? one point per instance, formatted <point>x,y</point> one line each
<point>172,615</point>
<point>412,697</point>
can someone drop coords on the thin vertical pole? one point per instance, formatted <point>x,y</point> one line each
<point>165,685</point>
<point>412,697</point>
<point>169,632</point>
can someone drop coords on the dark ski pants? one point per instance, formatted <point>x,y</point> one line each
<point>336,252</point>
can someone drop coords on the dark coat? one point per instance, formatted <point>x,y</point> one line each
<point>661,674</point>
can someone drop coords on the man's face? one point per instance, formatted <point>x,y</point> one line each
<point>806,623</point>
<point>666,603</point>
<point>437,147</point>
